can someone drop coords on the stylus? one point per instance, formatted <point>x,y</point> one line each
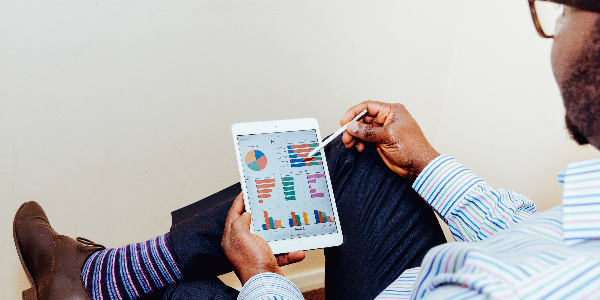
<point>333,136</point>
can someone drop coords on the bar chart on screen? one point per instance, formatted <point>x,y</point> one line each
<point>321,217</point>
<point>299,152</point>
<point>270,223</point>
<point>298,220</point>
<point>317,184</point>
<point>264,188</point>
<point>289,188</point>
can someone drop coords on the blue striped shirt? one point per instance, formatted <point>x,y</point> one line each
<point>504,248</point>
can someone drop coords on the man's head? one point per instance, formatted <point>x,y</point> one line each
<point>576,66</point>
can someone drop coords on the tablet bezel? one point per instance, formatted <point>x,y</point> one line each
<point>301,243</point>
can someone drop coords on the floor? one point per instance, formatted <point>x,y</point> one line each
<point>318,294</point>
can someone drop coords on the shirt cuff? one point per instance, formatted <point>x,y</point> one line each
<point>444,182</point>
<point>270,286</point>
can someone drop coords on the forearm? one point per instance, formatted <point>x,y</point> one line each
<point>269,286</point>
<point>472,209</point>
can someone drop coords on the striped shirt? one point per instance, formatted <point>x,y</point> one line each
<point>504,249</point>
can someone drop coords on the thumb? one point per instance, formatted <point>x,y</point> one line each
<point>367,132</point>
<point>241,224</point>
<point>245,219</point>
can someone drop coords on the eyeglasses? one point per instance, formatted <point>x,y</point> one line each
<point>545,13</point>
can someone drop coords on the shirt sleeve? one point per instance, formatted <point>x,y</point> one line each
<point>400,289</point>
<point>269,286</point>
<point>472,209</point>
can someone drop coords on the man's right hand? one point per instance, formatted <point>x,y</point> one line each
<point>249,253</point>
<point>398,138</point>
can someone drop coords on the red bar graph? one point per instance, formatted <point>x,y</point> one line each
<point>264,188</point>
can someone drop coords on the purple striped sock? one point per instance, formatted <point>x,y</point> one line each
<point>130,271</point>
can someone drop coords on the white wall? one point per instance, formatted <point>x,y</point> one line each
<point>114,113</point>
<point>503,115</point>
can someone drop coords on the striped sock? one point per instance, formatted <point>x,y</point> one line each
<point>130,271</point>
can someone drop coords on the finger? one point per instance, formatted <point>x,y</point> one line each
<point>393,166</point>
<point>367,132</point>
<point>385,114</point>
<point>242,223</point>
<point>296,256</point>
<point>353,112</point>
<point>290,258</point>
<point>360,147</point>
<point>237,208</point>
<point>351,144</point>
<point>347,138</point>
<point>373,109</point>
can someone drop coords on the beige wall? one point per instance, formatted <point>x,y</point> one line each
<point>114,113</point>
<point>502,114</point>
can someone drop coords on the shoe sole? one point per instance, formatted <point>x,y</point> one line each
<point>31,293</point>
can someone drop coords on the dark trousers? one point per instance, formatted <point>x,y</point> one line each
<point>387,229</point>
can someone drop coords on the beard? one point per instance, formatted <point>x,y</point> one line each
<point>581,93</point>
<point>575,132</point>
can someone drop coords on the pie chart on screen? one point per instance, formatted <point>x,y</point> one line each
<point>256,160</point>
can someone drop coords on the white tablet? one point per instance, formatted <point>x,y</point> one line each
<point>290,197</point>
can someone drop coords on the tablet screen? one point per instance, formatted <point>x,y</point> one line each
<point>288,195</point>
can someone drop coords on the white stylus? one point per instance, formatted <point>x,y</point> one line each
<point>333,136</point>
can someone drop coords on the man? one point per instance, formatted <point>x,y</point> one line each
<point>517,256</point>
<point>515,253</point>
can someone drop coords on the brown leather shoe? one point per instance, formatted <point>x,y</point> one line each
<point>51,261</point>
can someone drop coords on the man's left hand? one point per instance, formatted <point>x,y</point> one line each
<point>249,253</point>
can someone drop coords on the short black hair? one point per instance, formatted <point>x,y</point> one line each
<point>591,5</point>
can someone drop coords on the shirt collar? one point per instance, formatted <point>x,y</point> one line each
<point>581,201</point>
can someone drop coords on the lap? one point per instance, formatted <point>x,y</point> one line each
<point>387,227</point>
<point>211,289</point>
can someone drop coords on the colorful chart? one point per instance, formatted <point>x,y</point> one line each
<point>295,220</point>
<point>256,160</point>
<point>270,223</point>
<point>288,188</point>
<point>298,154</point>
<point>321,217</point>
<point>312,184</point>
<point>264,188</point>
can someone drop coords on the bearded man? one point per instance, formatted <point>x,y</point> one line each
<point>505,248</point>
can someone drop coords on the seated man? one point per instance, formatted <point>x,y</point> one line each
<point>511,254</point>
<point>506,250</point>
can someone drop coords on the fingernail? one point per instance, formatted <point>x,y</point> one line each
<point>352,126</point>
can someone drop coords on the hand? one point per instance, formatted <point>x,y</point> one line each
<point>249,253</point>
<point>397,137</point>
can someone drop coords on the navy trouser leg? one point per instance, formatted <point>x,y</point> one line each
<point>387,228</point>
<point>207,289</point>
<point>196,235</point>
